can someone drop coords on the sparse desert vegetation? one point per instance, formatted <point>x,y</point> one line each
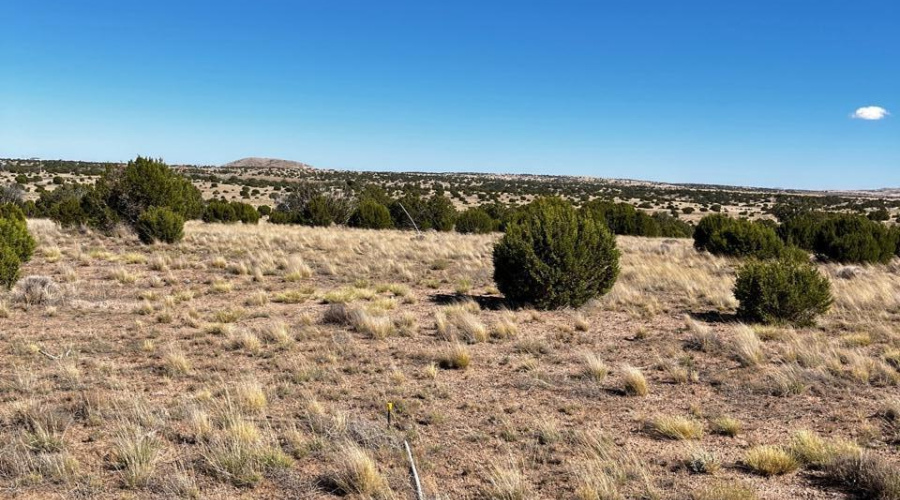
<point>251,359</point>
<point>239,391</point>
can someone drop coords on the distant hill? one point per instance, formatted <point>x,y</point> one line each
<point>254,162</point>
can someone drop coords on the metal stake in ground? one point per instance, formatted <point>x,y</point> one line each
<point>415,474</point>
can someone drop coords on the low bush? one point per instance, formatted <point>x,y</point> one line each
<point>230,212</point>
<point>475,221</point>
<point>854,238</point>
<point>9,267</point>
<point>16,243</point>
<point>14,233</point>
<point>722,235</point>
<point>159,224</point>
<point>371,215</point>
<point>436,212</point>
<point>555,256</point>
<point>781,291</point>
<point>622,218</point>
<point>307,205</point>
<point>146,183</point>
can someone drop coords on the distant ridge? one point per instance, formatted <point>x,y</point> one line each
<point>254,162</point>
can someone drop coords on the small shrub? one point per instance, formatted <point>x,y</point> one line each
<point>781,291</point>
<point>371,215</point>
<point>308,205</point>
<point>14,233</point>
<point>9,267</point>
<point>721,235</point>
<point>145,183</point>
<point>475,221</point>
<point>622,218</point>
<point>555,257</point>
<point>854,238</point>
<point>159,224</point>
<point>37,291</point>
<point>230,212</point>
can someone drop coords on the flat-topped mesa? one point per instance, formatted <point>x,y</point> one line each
<point>273,163</point>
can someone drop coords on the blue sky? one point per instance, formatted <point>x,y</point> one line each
<point>752,92</point>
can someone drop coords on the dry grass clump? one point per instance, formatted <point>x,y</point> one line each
<point>814,451</point>
<point>257,298</point>
<point>239,453</point>
<point>245,340</point>
<point>220,286</point>
<point>36,291</point>
<point>136,453</point>
<point>456,357</point>
<point>231,315</point>
<point>44,429</point>
<point>374,325</point>
<point>679,428</point>
<point>458,322</point>
<point>347,295</point>
<point>788,380</point>
<point>725,491</point>
<point>356,473</point>
<point>123,276</point>
<point>507,482</point>
<point>505,327</point>
<point>594,367</point>
<point>866,473</point>
<point>249,396</point>
<point>407,325</point>
<point>702,337</point>
<point>609,471</point>
<point>700,461</point>
<point>726,426</point>
<point>634,382</point>
<point>581,322</point>
<point>747,347</point>
<point>770,460</point>
<point>298,296</point>
<point>277,333</point>
<point>176,363</point>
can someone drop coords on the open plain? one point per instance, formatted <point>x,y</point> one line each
<point>259,362</point>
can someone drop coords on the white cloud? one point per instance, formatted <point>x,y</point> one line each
<point>870,113</point>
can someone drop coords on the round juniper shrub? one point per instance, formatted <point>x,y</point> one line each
<point>721,235</point>
<point>553,256</point>
<point>9,266</point>
<point>708,226</point>
<point>475,221</point>
<point>159,224</point>
<point>14,233</point>
<point>781,291</point>
<point>146,183</point>
<point>854,238</point>
<point>219,211</point>
<point>371,215</point>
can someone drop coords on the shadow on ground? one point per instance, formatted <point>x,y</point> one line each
<point>491,302</point>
